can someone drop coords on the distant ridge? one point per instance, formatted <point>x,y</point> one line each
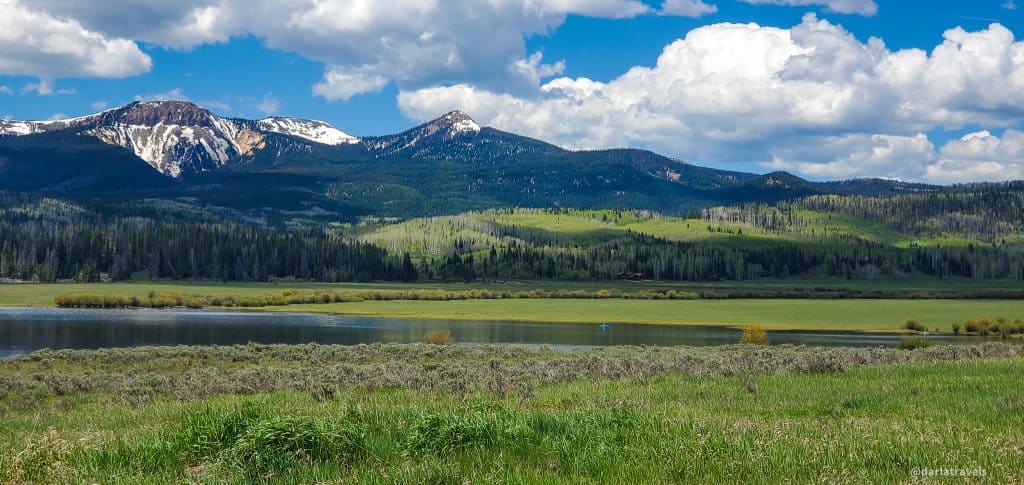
<point>179,150</point>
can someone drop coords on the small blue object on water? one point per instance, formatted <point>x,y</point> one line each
<point>605,326</point>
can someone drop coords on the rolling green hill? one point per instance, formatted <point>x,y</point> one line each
<point>807,221</point>
<point>972,231</point>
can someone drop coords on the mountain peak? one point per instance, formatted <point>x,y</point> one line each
<point>455,122</point>
<point>780,178</point>
<point>456,115</point>
<point>171,112</point>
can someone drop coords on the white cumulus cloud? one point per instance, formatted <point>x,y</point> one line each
<point>687,8</point>
<point>268,105</point>
<point>45,87</point>
<point>980,156</point>
<point>48,46</point>
<point>339,85</point>
<point>858,7</point>
<point>364,43</point>
<point>812,98</point>
<point>854,155</point>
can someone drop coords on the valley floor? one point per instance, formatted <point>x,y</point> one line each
<point>772,314</point>
<point>843,311</point>
<point>42,294</point>
<point>493,414</point>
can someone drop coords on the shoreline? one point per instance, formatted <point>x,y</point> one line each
<point>311,309</point>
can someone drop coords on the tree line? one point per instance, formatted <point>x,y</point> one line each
<point>49,240</point>
<point>48,251</point>
<point>672,260</point>
<point>987,212</point>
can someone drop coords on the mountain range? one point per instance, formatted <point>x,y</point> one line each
<point>282,170</point>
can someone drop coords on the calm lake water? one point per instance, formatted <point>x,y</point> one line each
<point>24,330</point>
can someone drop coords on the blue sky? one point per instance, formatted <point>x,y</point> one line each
<point>242,70</point>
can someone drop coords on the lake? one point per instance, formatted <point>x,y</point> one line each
<point>23,330</point>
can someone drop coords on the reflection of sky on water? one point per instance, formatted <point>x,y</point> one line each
<point>26,329</point>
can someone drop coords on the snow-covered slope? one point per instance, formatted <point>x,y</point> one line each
<point>448,127</point>
<point>18,128</point>
<point>177,137</point>
<point>462,123</point>
<point>312,130</point>
<point>174,137</point>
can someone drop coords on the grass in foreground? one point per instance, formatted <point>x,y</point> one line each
<point>733,414</point>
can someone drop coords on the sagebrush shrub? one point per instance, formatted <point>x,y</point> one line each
<point>755,335</point>
<point>911,343</point>
<point>439,337</point>
<point>913,325</point>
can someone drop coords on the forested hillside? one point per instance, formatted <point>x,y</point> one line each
<point>973,232</point>
<point>48,240</point>
<point>984,213</point>
<point>445,251</point>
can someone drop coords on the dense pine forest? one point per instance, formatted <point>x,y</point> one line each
<point>973,232</point>
<point>50,240</point>
<point>987,212</point>
<point>672,260</point>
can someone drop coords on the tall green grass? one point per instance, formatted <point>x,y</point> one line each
<point>868,425</point>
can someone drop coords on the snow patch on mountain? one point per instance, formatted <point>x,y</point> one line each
<point>460,122</point>
<point>178,137</point>
<point>18,128</point>
<point>22,128</point>
<point>173,137</point>
<point>170,147</point>
<point>449,127</point>
<point>312,130</point>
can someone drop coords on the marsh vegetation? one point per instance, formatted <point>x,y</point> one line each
<point>448,414</point>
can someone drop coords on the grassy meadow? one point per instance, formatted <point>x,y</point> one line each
<point>818,313</point>
<point>42,294</point>
<point>432,237</point>
<point>773,314</point>
<point>443,414</point>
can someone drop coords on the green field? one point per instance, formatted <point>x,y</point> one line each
<point>435,236</point>
<point>432,237</point>
<point>773,314</point>
<point>43,294</point>
<point>32,294</point>
<point>426,414</point>
<point>884,315</point>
